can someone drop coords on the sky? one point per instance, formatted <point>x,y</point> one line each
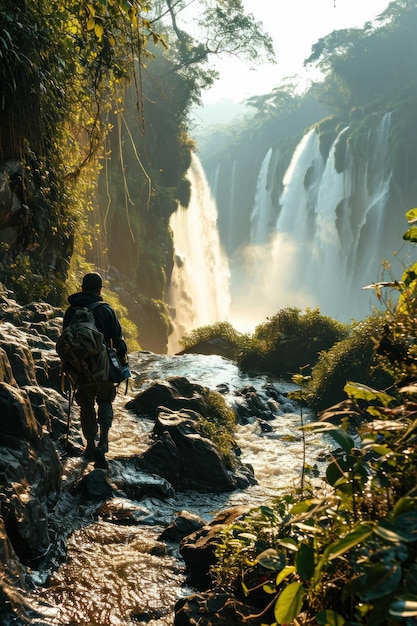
<point>294,26</point>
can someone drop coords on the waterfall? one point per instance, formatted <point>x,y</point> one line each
<point>263,210</point>
<point>199,288</point>
<point>332,231</point>
<point>334,220</point>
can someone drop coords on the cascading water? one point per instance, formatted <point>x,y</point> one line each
<point>333,231</point>
<point>199,288</point>
<point>262,213</point>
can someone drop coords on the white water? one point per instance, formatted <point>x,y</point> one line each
<point>263,210</point>
<point>112,575</point>
<point>329,235</point>
<point>199,290</point>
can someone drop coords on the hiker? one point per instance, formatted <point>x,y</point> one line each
<point>101,391</point>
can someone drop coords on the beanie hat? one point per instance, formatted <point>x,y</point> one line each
<point>92,282</point>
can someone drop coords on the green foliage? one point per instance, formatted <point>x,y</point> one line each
<point>290,340</point>
<point>220,330</point>
<point>348,359</point>
<point>347,554</point>
<point>346,549</point>
<point>220,425</point>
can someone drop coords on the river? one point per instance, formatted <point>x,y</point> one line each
<point>117,573</point>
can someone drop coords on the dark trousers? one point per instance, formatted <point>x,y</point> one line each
<point>103,392</point>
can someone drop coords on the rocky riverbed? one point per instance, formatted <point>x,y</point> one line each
<point>133,542</point>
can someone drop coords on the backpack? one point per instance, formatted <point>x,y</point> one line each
<point>81,348</point>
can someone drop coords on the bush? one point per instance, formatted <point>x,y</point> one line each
<point>349,359</point>
<point>289,341</point>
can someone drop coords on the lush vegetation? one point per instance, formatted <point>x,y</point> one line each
<point>351,358</point>
<point>345,552</point>
<point>94,99</point>
<point>220,424</point>
<point>286,342</point>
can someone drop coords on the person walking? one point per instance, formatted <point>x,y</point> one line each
<point>102,392</point>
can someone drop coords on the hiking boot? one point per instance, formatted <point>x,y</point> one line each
<point>89,452</point>
<point>99,459</point>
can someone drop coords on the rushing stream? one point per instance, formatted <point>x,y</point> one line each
<point>118,573</point>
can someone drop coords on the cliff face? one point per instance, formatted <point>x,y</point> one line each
<point>89,173</point>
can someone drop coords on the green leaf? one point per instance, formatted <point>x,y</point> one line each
<point>271,559</point>
<point>343,439</point>
<point>406,526</point>
<point>343,545</point>
<point>304,561</point>
<point>380,581</point>
<point>388,533</point>
<point>289,603</point>
<point>300,507</point>
<point>249,536</point>
<point>409,275</point>
<point>340,472</point>
<point>329,618</point>
<point>403,608</point>
<point>289,544</point>
<point>363,392</point>
<point>404,505</point>
<point>339,435</point>
<point>268,588</point>
<point>290,569</point>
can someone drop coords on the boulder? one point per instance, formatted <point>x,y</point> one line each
<point>16,416</point>
<point>202,466</point>
<point>12,578</point>
<point>129,478</point>
<point>198,548</point>
<point>15,344</point>
<point>185,523</point>
<point>174,393</point>
<point>162,458</point>
<point>94,486</point>
<point>214,607</point>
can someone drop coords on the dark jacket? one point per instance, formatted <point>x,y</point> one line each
<point>105,318</point>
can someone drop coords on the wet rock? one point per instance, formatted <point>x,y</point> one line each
<point>174,393</point>
<point>129,478</point>
<point>17,418</point>
<point>122,511</point>
<point>29,476</point>
<point>185,523</point>
<point>198,548</point>
<point>95,486</point>
<point>202,465</point>
<point>162,458</point>
<point>50,409</point>
<point>6,372</point>
<point>12,575</point>
<point>214,607</point>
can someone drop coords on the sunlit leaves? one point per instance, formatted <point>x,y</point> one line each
<point>304,561</point>
<point>411,216</point>
<point>346,543</point>
<point>289,603</point>
<point>363,392</point>
<point>411,234</point>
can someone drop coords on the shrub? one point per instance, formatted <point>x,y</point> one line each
<point>291,340</point>
<point>349,359</point>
